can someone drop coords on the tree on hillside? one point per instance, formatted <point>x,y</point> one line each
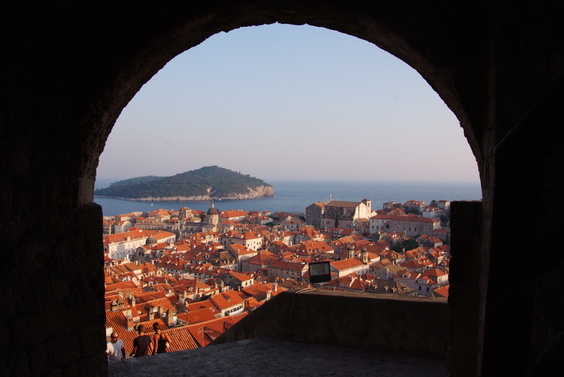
<point>407,244</point>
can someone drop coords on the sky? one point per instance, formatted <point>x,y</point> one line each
<point>289,102</point>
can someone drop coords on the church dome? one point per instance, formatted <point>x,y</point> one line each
<point>151,241</point>
<point>213,211</point>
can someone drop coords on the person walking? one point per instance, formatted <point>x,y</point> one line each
<point>142,345</point>
<point>115,349</point>
<point>161,340</point>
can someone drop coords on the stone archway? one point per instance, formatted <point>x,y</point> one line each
<point>69,69</point>
<point>164,47</point>
<point>69,73</point>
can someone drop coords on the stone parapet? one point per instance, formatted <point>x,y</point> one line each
<point>372,322</point>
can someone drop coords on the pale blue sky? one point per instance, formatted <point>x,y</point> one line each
<point>289,102</point>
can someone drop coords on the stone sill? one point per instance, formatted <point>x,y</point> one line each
<point>394,324</point>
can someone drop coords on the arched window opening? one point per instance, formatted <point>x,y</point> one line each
<point>325,118</point>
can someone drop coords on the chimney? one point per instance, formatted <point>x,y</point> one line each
<point>129,323</point>
<point>170,318</point>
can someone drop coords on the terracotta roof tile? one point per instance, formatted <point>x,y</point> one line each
<point>346,263</point>
<point>227,299</point>
<point>206,332</point>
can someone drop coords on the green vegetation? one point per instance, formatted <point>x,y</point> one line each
<point>138,180</point>
<point>445,219</point>
<point>413,211</point>
<point>192,183</point>
<point>407,244</point>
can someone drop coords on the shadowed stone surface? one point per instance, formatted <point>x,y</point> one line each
<point>391,324</point>
<point>68,69</point>
<point>274,357</point>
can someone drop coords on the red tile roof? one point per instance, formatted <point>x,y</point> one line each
<point>196,316</point>
<point>206,332</point>
<point>346,264</point>
<point>226,300</point>
<point>442,291</point>
<point>288,265</point>
<point>180,339</point>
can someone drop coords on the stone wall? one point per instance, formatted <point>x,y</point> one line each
<point>69,68</point>
<point>374,322</point>
<point>53,298</point>
<point>467,290</point>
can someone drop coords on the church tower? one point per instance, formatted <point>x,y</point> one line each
<point>213,215</point>
<point>364,257</point>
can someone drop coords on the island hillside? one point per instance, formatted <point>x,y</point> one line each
<point>210,182</point>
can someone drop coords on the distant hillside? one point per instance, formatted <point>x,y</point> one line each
<point>138,180</point>
<point>190,186</point>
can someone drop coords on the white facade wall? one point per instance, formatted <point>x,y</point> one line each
<point>410,226</point>
<point>121,250</point>
<point>360,269</point>
<point>122,226</point>
<point>251,243</point>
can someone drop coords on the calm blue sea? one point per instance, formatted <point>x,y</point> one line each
<point>295,196</point>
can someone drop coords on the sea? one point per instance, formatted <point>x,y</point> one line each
<point>294,196</point>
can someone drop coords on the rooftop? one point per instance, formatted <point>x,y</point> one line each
<point>275,357</point>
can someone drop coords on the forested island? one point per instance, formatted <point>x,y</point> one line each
<point>207,183</point>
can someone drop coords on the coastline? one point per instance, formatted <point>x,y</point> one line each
<point>175,199</point>
<point>254,193</point>
<point>294,196</point>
